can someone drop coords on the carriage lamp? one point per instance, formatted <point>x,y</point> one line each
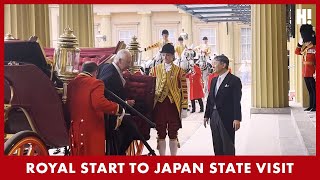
<point>66,56</point>
<point>133,47</point>
<point>66,59</point>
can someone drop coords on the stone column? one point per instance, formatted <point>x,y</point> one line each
<point>226,41</point>
<point>145,34</point>
<point>25,20</point>
<point>292,64</point>
<point>186,25</point>
<point>269,60</point>
<point>78,17</point>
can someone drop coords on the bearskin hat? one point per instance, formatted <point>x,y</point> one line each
<point>307,33</point>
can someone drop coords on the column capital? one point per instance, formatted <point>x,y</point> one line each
<point>183,12</point>
<point>103,13</point>
<point>145,13</point>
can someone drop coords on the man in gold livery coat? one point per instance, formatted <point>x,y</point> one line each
<point>171,100</point>
<point>179,47</point>
<point>160,43</point>
<point>204,48</point>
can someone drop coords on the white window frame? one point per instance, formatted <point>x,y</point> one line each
<point>246,43</point>
<point>172,26</point>
<point>131,33</point>
<point>172,34</point>
<point>213,45</point>
<point>129,26</point>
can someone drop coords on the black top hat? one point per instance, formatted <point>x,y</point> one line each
<point>165,32</point>
<point>168,48</point>
<point>180,39</point>
<point>205,38</point>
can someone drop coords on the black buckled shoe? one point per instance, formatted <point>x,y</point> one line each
<point>308,109</point>
<point>312,109</point>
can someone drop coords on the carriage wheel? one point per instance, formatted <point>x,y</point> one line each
<point>25,143</point>
<point>135,148</point>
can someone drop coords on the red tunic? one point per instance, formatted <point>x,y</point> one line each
<point>86,104</point>
<point>196,91</point>
<point>308,60</point>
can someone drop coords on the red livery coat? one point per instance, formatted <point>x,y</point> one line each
<point>210,77</point>
<point>86,104</point>
<point>196,91</point>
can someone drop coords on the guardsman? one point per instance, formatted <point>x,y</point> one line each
<point>195,88</point>
<point>307,48</point>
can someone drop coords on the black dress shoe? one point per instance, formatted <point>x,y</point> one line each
<point>201,111</point>
<point>192,111</point>
<point>308,109</point>
<point>312,109</point>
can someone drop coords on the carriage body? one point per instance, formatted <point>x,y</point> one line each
<point>35,116</point>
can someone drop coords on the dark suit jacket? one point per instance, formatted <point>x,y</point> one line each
<point>227,100</point>
<point>112,80</point>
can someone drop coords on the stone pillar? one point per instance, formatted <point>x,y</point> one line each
<point>78,17</point>
<point>226,41</point>
<point>186,25</point>
<point>269,60</point>
<point>145,34</point>
<point>25,20</point>
<point>292,67</point>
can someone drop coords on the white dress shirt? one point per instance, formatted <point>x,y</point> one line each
<point>220,80</point>
<point>120,73</point>
<point>167,67</point>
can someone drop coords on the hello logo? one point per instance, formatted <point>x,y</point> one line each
<point>304,16</point>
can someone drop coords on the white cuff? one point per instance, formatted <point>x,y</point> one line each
<point>184,113</point>
<point>300,41</point>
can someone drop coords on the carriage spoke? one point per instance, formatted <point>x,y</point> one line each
<point>19,150</point>
<point>31,150</point>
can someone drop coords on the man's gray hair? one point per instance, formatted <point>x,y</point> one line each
<point>122,54</point>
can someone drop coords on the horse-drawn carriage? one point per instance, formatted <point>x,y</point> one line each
<point>35,117</point>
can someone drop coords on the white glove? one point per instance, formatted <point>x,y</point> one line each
<point>300,41</point>
<point>184,113</point>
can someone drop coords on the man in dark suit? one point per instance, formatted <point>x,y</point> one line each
<point>223,107</point>
<point>111,74</point>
